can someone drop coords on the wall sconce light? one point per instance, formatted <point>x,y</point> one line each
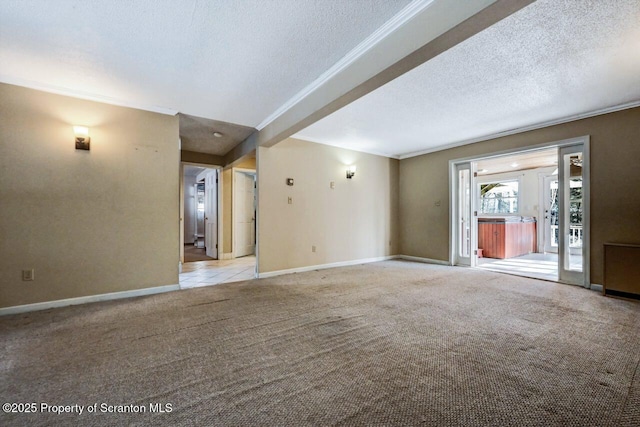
<point>351,171</point>
<point>82,137</point>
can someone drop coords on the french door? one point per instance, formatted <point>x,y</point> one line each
<point>465,236</point>
<point>566,212</point>
<point>573,232</point>
<point>551,219</point>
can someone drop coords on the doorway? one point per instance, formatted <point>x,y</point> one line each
<point>217,193</point>
<point>200,215</point>
<point>524,212</point>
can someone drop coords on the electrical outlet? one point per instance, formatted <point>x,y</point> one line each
<point>28,275</point>
<point>290,200</point>
<point>313,248</point>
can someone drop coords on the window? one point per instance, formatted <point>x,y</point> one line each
<point>499,197</point>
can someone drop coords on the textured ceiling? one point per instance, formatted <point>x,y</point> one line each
<point>517,162</point>
<point>551,60</point>
<point>196,134</point>
<point>236,61</point>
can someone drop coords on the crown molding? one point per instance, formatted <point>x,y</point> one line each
<point>316,141</point>
<point>398,20</point>
<point>59,90</point>
<point>541,125</point>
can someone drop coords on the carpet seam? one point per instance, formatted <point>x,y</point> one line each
<point>630,390</point>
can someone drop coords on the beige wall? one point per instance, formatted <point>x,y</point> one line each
<point>201,158</point>
<point>89,222</point>
<point>615,180</point>
<point>247,163</point>
<point>356,220</point>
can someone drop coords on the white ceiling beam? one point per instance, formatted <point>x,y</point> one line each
<point>420,32</point>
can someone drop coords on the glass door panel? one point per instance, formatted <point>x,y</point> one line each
<point>464,222</point>
<point>551,221</point>
<point>464,238</point>
<point>570,236</point>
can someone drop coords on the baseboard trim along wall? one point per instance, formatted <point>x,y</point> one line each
<point>323,266</point>
<point>83,300</point>
<point>596,287</point>
<point>420,259</point>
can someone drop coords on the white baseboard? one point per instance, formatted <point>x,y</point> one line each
<point>425,260</point>
<point>596,287</point>
<point>83,300</point>
<point>324,266</point>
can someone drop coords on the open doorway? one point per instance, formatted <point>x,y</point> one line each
<point>225,215</point>
<point>513,232</point>
<point>524,212</point>
<point>200,217</point>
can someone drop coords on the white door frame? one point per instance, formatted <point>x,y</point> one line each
<point>581,140</point>
<point>253,172</point>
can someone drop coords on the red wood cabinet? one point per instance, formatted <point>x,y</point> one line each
<point>506,237</point>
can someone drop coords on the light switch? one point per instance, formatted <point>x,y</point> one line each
<point>290,200</point>
<point>332,185</point>
<point>28,275</point>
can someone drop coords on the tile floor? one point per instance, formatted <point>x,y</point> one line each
<point>206,273</point>
<point>539,266</point>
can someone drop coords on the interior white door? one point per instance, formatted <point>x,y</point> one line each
<point>551,214</point>
<point>211,214</point>
<point>244,214</point>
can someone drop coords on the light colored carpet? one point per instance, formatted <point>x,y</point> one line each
<point>391,343</point>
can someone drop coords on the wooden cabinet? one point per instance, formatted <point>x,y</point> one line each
<point>621,273</point>
<point>506,237</point>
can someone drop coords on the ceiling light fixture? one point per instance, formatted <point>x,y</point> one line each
<point>483,171</point>
<point>217,134</point>
<point>514,165</point>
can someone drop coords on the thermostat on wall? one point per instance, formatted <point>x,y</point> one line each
<point>289,181</point>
